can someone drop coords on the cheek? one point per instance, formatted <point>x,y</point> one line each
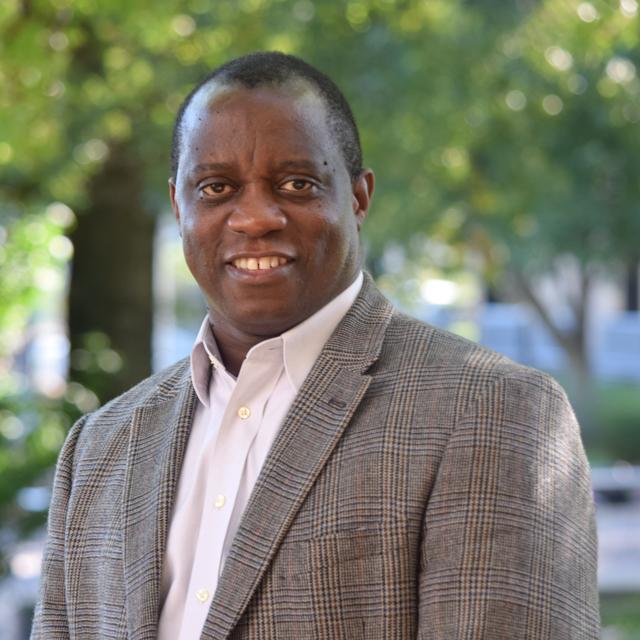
<point>199,247</point>
<point>335,237</point>
<point>326,224</point>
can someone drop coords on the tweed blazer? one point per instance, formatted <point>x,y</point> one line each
<point>421,486</point>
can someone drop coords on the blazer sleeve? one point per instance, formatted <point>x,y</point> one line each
<point>50,620</point>
<point>509,545</point>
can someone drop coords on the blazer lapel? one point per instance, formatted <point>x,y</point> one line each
<point>159,432</point>
<point>319,415</point>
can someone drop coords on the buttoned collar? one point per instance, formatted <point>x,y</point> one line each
<point>299,347</point>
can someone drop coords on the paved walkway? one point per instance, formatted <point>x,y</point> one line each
<point>619,545</point>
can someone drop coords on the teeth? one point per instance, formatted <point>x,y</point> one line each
<point>263,263</point>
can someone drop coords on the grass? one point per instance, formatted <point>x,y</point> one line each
<point>620,616</point>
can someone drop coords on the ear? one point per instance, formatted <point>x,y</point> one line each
<point>363,187</point>
<point>174,204</point>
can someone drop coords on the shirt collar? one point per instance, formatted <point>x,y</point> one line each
<point>204,357</point>
<point>301,345</point>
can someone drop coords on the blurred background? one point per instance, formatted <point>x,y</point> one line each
<point>506,141</point>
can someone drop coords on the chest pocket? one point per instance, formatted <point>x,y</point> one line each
<point>330,585</point>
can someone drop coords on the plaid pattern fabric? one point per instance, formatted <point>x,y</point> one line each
<point>420,487</point>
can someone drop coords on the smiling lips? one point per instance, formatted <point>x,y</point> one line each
<point>263,263</point>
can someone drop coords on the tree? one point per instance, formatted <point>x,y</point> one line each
<point>566,176</point>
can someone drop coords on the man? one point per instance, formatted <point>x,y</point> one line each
<point>322,466</point>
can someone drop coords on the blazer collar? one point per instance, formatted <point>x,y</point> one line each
<point>158,434</point>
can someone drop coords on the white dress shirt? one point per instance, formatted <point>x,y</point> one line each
<point>234,425</point>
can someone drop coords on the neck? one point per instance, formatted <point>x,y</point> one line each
<point>234,348</point>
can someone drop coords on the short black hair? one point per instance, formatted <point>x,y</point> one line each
<point>272,68</point>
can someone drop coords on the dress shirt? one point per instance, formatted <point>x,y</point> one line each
<point>234,425</point>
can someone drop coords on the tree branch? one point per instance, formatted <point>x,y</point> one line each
<point>570,342</point>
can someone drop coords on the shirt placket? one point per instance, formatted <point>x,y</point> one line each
<point>226,461</point>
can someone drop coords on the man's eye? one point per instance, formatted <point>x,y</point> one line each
<point>217,189</point>
<point>296,185</point>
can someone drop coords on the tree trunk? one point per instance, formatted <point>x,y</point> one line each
<point>110,301</point>
<point>632,286</point>
<point>491,294</point>
<point>573,342</point>
<point>579,381</point>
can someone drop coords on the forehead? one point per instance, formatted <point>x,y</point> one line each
<point>225,115</point>
<point>218,90</point>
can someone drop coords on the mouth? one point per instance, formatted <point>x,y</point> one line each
<point>263,263</point>
<point>260,269</point>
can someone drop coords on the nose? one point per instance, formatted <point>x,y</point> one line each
<point>256,213</point>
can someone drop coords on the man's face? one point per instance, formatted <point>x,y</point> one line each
<point>268,213</point>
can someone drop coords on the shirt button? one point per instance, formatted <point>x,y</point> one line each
<point>219,503</point>
<point>202,595</point>
<point>244,412</point>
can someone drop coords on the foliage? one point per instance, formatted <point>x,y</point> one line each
<point>620,615</point>
<point>32,427</point>
<point>515,129</point>
<point>31,252</point>
<point>617,418</point>
<point>554,155</point>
